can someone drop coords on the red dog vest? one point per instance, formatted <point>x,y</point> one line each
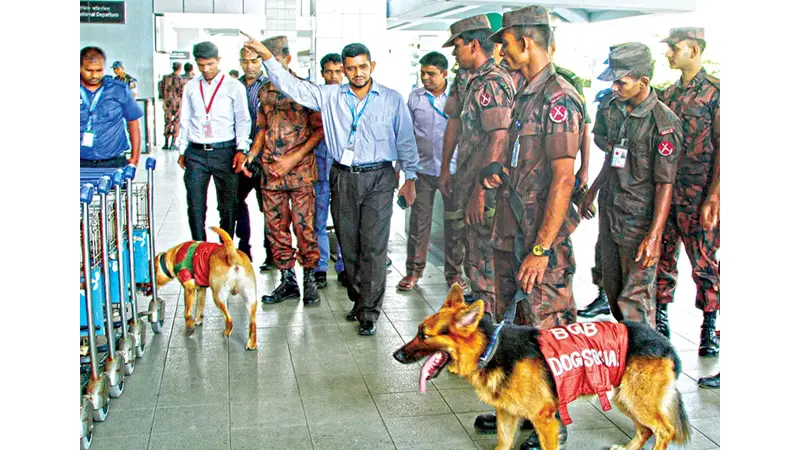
<point>192,262</point>
<point>585,359</point>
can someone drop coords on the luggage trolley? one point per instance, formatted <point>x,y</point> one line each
<point>114,360</point>
<point>136,324</point>
<point>144,249</point>
<point>96,389</point>
<point>115,273</point>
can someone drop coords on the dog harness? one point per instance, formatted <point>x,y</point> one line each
<point>585,359</point>
<point>192,261</point>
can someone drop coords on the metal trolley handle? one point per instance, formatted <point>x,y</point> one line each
<point>87,193</point>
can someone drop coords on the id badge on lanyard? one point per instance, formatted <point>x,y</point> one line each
<point>349,153</point>
<point>205,121</point>
<point>88,135</point>
<point>620,155</point>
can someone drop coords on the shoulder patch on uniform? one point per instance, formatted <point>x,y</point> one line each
<point>661,114</point>
<point>666,148</point>
<point>558,113</point>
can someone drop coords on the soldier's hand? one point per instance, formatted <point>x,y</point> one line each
<point>586,208</point>
<point>531,271</point>
<point>709,213</point>
<point>282,165</point>
<point>582,176</point>
<point>257,47</point>
<point>446,182</point>
<point>475,208</point>
<point>649,250</point>
<point>494,181</point>
<point>182,162</point>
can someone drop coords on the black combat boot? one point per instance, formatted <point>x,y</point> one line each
<point>709,343</point>
<point>532,443</point>
<point>286,290</point>
<point>597,307</point>
<point>310,294</point>
<point>487,423</point>
<point>662,324</point>
<point>709,382</point>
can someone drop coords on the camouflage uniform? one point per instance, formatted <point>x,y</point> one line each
<point>603,109</point>
<point>486,108</point>
<point>698,107</point>
<point>454,225</point>
<point>172,86</point>
<point>652,135</point>
<point>288,126</point>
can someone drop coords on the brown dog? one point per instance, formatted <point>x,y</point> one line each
<point>510,369</point>
<point>223,268</point>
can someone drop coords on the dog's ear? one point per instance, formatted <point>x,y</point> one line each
<point>455,297</point>
<point>468,319</point>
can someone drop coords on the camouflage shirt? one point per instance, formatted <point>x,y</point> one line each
<point>455,97</point>
<point>572,79</point>
<point>288,126</point>
<point>173,90</point>
<point>654,136</point>
<point>548,123</point>
<point>486,107</point>
<point>697,105</point>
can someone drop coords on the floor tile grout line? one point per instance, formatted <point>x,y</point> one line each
<point>161,379</point>
<point>299,391</point>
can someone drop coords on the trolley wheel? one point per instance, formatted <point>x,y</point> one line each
<point>156,326</point>
<point>116,391</point>
<point>139,351</point>
<point>128,368</point>
<point>86,441</point>
<point>101,414</point>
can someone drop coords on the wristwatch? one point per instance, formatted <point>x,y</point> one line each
<point>538,250</point>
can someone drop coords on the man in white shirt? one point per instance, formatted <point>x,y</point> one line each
<point>214,140</point>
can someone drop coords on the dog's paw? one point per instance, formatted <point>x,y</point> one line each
<point>251,347</point>
<point>199,322</point>
<point>617,447</point>
<point>189,330</point>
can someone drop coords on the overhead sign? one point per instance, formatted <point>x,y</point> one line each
<point>179,55</point>
<point>107,12</point>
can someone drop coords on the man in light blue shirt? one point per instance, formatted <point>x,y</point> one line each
<point>367,128</point>
<point>427,105</point>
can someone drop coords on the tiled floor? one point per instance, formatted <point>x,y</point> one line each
<point>316,384</point>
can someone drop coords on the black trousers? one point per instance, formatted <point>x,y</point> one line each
<point>246,185</point>
<point>201,165</point>
<point>361,206</point>
<point>115,162</point>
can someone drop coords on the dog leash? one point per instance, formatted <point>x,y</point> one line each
<point>491,348</point>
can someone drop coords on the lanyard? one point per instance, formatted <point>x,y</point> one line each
<point>439,111</point>
<point>92,106</point>
<point>202,95</point>
<point>356,118</point>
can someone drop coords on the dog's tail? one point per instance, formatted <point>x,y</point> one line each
<point>230,250</point>
<point>679,418</point>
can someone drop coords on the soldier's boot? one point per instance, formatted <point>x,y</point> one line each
<point>709,382</point>
<point>532,443</point>
<point>709,343</point>
<point>487,423</point>
<point>597,307</point>
<point>286,290</point>
<point>662,324</point>
<point>310,294</point>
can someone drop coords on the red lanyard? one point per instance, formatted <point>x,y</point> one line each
<point>208,108</point>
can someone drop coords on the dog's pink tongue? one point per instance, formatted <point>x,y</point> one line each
<point>428,369</point>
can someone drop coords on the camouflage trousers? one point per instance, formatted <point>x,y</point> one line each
<point>630,287</point>
<point>597,270</point>
<point>172,119</point>
<point>279,214</point>
<point>550,303</point>
<point>683,226</point>
<point>478,252</point>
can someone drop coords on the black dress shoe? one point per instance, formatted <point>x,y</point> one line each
<point>368,328</point>
<point>709,382</point>
<point>487,423</point>
<point>532,443</point>
<point>352,316</point>
<point>597,307</point>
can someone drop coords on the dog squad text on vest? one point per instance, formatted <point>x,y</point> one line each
<point>585,359</point>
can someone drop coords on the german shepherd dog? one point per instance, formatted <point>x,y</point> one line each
<point>519,383</point>
<point>229,272</point>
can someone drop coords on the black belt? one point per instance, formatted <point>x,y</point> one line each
<point>363,167</point>
<point>215,145</point>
